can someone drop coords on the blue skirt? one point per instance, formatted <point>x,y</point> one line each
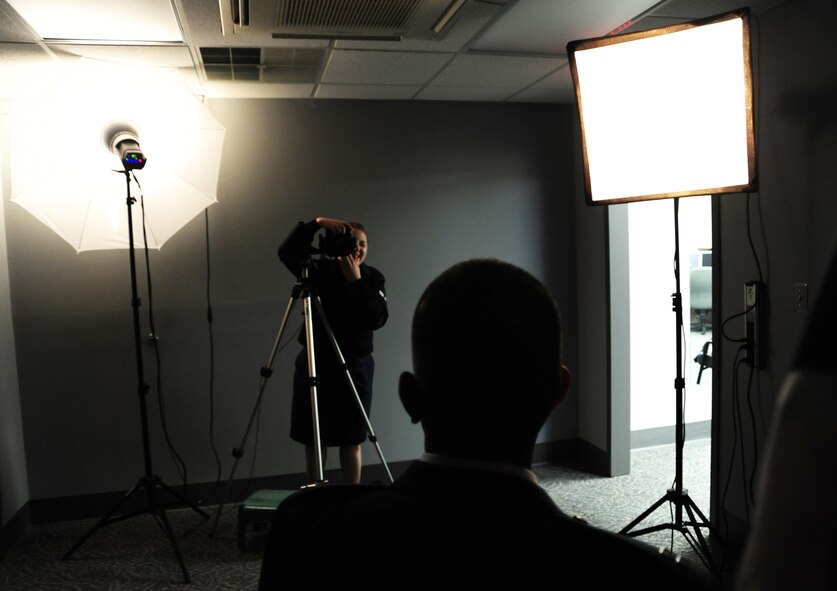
<point>340,419</point>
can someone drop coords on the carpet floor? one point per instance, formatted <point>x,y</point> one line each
<point>135,554</point>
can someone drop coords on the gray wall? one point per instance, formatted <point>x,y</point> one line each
<point>14,487</point>
<point>434,183</point>
<point>793,219</point>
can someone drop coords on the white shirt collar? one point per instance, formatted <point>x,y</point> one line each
<point>498,467</point>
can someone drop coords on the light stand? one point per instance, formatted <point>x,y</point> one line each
<point>302,289</point>
<point>149,482</point>
<point>677,495</point>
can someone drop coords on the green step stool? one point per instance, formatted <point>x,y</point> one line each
<point>255,515</point>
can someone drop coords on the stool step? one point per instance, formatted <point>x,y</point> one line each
<point>255,515</point>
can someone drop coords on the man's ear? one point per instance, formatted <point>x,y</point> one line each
<point>566,382</point>
<point>408,392</point>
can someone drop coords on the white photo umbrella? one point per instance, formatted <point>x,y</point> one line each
<point>63,173</point>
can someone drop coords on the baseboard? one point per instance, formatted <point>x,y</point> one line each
<point>573,452</point>
<point>666,435</point>
<point>206,494</point>
<point>14,528</point>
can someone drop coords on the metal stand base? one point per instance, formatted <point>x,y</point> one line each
<point>150,484</point>
<point>690,529</point>
<point>677,495</point>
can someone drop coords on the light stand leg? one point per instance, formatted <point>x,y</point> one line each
<point>313,382</point>
<point>372,437</point>
<point>150,482</point>
<point>677,495</point>
<point>266,372</point>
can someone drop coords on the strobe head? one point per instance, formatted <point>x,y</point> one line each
<point>122,138</point>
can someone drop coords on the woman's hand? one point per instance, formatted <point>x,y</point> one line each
<point>350,265</point>
<point>335,226</point>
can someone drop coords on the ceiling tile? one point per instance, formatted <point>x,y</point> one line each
<point>546,26</point>
<point>492,50</point>
<point>654,22</point>
<point>382,67</point>
<point>166,56</point>
<point>496,71</point>
<point>152,20</point>
<point>561,79</point>
<point>692,9</point>
<point>468,23</point>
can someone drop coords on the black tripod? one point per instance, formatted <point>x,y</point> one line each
<point>149,482</point>
<point>677,495</point>
<point>303,289</point>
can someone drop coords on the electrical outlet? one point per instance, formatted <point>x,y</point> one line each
<point>754,303</point>
<point>800,297</point>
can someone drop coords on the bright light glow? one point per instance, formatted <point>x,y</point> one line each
<point>95,20</point>
<point>64,174</point>
<point>666,114</point>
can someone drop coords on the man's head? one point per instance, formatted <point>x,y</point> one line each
<point>487,362</point>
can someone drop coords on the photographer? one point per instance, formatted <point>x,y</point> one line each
<point>354,301</point>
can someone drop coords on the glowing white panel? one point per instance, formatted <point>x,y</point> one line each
<point>94,20</point>
<point>667,112</point>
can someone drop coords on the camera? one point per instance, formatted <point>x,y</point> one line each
<point>338,245</point>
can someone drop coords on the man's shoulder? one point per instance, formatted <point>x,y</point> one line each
<point>327,496</point>
<point>342,521</point>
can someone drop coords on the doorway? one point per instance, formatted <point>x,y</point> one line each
<point>653,330</point>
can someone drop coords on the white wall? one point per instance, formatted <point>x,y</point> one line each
<point>14,489</point>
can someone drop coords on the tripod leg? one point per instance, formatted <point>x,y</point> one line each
<point>182,499</point>
<point>703,520</point>
<point>627,529</point>
<point>266,372</point>
<point>372,437</point>
<point>103,521</point>
<point>312,377</point>
<point>705,553</point>
<point>166,526</point>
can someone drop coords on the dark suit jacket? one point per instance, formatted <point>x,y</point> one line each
<point>437,524</point>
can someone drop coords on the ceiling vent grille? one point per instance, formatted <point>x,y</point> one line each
<point>340,19</point>
<point>363,19</point>
<point>387,17</point>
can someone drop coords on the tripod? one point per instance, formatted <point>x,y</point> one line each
<point>677,495</point>
<point>149,482</point>
<point>303,289</point>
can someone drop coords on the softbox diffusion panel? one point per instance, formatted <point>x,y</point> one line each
<point>667,112</point>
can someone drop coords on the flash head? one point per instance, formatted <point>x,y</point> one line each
<point>122,138</point>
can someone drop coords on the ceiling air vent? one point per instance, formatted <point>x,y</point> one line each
<point>362,19</point>
<point>350,18</point>
<point>339,19</point>
<point>231,63</point>
<point>269,64</point>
